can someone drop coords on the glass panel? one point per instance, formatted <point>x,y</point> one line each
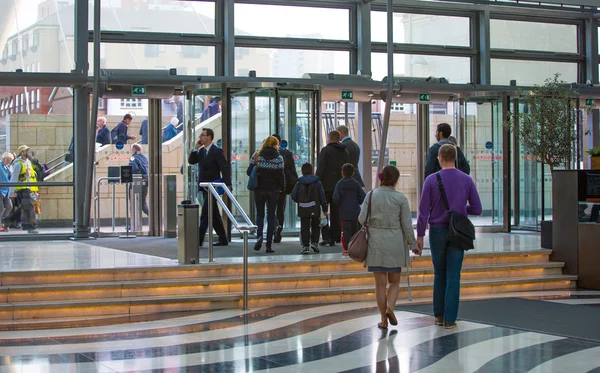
<point>483,124</point>
<point>455,69</point>
<point>528,73</point>
<point>36,37</point>
<point>325,23</point>
<point>535,36</point>
<point>241,150</point>
<point>171,16</point>
<point>188,60</point>
<point>422,29</point>
<point>290,63</point>
<point>42,120</point>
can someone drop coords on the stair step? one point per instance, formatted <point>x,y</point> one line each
<point>172,303</point>
<point>212,270</point>
<point>127,289</point>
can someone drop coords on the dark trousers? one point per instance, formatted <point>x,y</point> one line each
<point>217,222</point>
<point>350,227</point>
<point>333,231</point>
<point>309,230</point>
<point>145,197</point>
<point>280,213</point>
<point>447,264</point>
<point>268,198</point>
<point>27,212</point>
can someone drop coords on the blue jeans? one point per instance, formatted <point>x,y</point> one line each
<point>262,198</point>
<point>447,263</point>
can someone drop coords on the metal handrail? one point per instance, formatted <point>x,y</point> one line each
<point>56,158</point>
<point>245,229</point>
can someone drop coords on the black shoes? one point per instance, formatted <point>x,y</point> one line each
<point>269,250</point>
<point>258,244</point>
<point>305,250</point>
<point>324,243</point>
<point>277,238</point>
<point>315,248</point>
<point>220,243</point>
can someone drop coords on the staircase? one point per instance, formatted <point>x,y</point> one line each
<point>49,298</point>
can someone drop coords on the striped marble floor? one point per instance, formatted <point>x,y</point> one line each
<point>329,338</point>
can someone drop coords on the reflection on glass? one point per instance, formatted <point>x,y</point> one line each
<point>291,63</point>
<point>36,37</point>
<point>589,212</point>
<point>240,151</point>
<point>187,59</point>
<point>325,23</point>
<point>422,29</point>
<point>550,37</point>
<point>454,69</point>
<point>171,16</point>
<point>528,73</point>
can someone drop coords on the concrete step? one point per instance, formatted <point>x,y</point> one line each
<point>173,303</point>
<point>201,286</point>
<point>216,270</point>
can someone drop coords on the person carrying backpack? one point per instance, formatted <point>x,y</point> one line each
<point>309,194</point>
<point>348,195</point>
<point>442,135</point>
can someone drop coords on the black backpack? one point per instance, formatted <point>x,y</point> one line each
<point>308,201</point>
<point>114,134</point>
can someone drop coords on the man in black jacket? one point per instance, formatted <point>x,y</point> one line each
<point>212,166</point>
<point>353,151</point>
<point>442,134</point>
<point>329,170</point>
<point>291,177</point>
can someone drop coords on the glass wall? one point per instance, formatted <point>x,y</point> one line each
<point>291,63</point>
<point>454,69</point>
<point>533,36</point>
<point>528,73</point>
<point>306,22</point>
<point>168,16</point>
<point>37,36</point>
<point>422,29</point>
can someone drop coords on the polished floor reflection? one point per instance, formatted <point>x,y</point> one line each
<point>330,338</point>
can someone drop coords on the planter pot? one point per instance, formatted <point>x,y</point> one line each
<point>595,162</point>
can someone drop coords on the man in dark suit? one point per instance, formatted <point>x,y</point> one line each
<point>329,170</point>
<point>291,178</point>
<point>212,166</point>
<point>353,151</point>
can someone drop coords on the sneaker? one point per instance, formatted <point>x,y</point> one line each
<point>32,231</point>
<point>277,238</point>
<point>305,250</point>
<point>449,325</point>
<point>315,248</point>
<point>345,252</point>
<point>439,320</point>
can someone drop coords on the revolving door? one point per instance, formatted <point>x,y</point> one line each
<point>242,116</point>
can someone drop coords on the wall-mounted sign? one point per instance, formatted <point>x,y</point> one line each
<point>489,145</point>
<point>424,97</point>
<point>126,174</point>
<point>590,102</point>
<point>138,90</point>
<point>347,95</point>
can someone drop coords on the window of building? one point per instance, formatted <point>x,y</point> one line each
<point>396,106</point>
<point>38,99</point>
<point>243,72</point>
<point>533,36</point>
<point>151,50</point>
<point>330,106</point>
<point>25,42</point>
<point>182,71</point>
<point>422,29</point>
<point>22,102</point>
<point>201,71</point>
<point>16,103</point>
<point>454,69</point>
<point>193,51</point>
<point>100,103</point>
<point>292,21</point>
<point>32,99</point>
<point>134,103</point>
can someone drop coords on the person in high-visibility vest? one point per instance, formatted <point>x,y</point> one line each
<point>23,172</point>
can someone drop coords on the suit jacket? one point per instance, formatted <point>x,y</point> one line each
<point>211,166</point>
<point>354,152</point>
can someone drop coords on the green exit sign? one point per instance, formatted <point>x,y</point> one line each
<point>590,102</point>
<point>138,90</point>
<point>424,97</point>
<point>347,95</point>
<point>393,163</point>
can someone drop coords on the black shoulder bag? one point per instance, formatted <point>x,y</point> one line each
<point>461,232</point>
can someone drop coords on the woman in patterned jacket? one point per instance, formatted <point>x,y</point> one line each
<point>271,182</point>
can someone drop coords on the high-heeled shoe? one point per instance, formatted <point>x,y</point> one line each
<point>258,244</point>
<point>391,317</point>
<point>382,325</point>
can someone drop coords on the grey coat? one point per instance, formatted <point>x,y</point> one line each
<point>390,228</point>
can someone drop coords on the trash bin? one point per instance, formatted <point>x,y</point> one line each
<point>187,233</point>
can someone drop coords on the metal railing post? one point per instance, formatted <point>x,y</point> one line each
<point>209,197</point>
<point>113,206</point>
<point>245,255</point>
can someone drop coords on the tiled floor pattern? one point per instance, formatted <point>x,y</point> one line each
<point>330,338</point>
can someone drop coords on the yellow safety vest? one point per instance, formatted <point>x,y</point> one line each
<point>23,176</point>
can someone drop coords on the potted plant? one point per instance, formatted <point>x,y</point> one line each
<point>546,130</point>
<point>595,157</point>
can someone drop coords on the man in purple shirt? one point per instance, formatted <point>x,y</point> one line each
<point>447,260</point>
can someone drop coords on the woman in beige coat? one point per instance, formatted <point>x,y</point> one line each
<point>391,236</point>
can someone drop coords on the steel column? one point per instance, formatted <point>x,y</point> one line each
<point>364,112</point>
<point>422,145</point>
<point>506,161</point>
<point>390,88</point>
<point>483,68</point>
<point>154,167</point>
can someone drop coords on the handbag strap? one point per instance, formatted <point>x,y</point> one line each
<point>369,208</point>
<point>442,191</point>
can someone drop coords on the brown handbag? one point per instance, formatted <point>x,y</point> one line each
<point>359,244</point>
